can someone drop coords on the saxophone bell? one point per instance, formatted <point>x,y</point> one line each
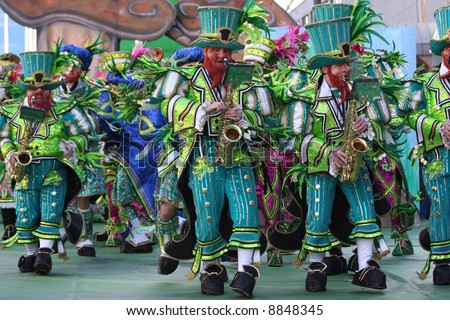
<point>232,133</point>
<point>359,145</point>
<point>24,158</point>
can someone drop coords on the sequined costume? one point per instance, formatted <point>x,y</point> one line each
<point>198,134</point>
<point>426,111</point>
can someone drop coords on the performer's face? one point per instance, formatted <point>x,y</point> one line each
<point>446,56</point>
<point>337,74</point>
<point>72,74</point>
<point>42,98</point>
<point>217,55</point>
<point>214,63</point>
<point>341,71</point>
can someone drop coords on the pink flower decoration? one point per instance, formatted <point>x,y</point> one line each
<point>358,48</point>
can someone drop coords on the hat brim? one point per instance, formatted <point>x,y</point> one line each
<point>46,86</point>
<point>324,60</point>
<point>437,46</point>
<point>203,43</point>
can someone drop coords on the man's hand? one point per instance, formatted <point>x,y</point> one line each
<point>360,125</point>
<point>339,158</point>
<point>67,148</point>
<point>11,161</point>
<point>235,113</point>
<point>215,107</point>
<point>446,130</point>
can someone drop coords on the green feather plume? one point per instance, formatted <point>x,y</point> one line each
<point>61,60</point>
<point>96,47</point>
<point>363,19</point>
<point>253,21</point>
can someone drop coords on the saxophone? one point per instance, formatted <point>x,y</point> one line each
<point>229,133</point>
<point>354,147</point>
<point>24,157</point>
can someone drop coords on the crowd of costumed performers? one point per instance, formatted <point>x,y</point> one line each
<point>242,147</point>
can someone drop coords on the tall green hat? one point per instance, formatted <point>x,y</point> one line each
<point>37,71</point>
<point>330,35</point>
<point>442,17</point>
<point>259,52</point>
<point>219,27</point>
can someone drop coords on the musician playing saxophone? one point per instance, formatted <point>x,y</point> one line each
<point>53,144</point>
<point>194,102</point>
<point>326,128</point>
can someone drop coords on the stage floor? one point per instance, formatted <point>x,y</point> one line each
<point>117,276</point>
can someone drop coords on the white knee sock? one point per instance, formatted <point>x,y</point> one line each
<point>364,249</point>
<point>316,256</point>
<point>245,258</point>
<point>46,243</point>
<point>31,248</point>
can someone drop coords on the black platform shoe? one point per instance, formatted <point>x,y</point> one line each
<point>316,279</point>
<point>335,265</point>
<point>244,281</point>
<point>370,277</point>
<point>86,251</point>
<point>212,280</point>
<point>10,230</point>
<point>101,237</point>
<point>26,264</point>
<point>353,264</point>
<point>43,263</point>
<point>441,273</point>
<point>130,247</point>
<point>167,265</point>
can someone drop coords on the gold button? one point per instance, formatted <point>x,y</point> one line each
<point>53,215</point>
<point>366,176</point>
<point>252,203</point>
<point>436,213</point>
<point>436,200</point>
<point>22,209</point>
<point>21,199</point>
<point>316,214</point>
<point>246,177</point>
<point>369,189</point>
<point>180,123</point>
<point>207,204</point>
<point>317,187</point>
<point>53,204</point>
<point>24,221</point>
<point>317,200</point>
<point>434,188</point>
<point>372,201</point>
<point>53,193</point>
<point>249,190</point>
<point>209,218</point>
<point>205,190</point>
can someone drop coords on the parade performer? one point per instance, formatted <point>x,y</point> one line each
<point>279,63</point>
<point>75,83</point>
<point>337,119</point>
<point>426,112</point>
<point>198,106</point>
<point>170,220</point>
<point>135,178</point>
<point>42,142</point>
<point>9,62</point>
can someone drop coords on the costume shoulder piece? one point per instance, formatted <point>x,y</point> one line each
<point>63,107</point>
<point>188,71</point>
<point>424,78</point>
<point>9,107</point>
